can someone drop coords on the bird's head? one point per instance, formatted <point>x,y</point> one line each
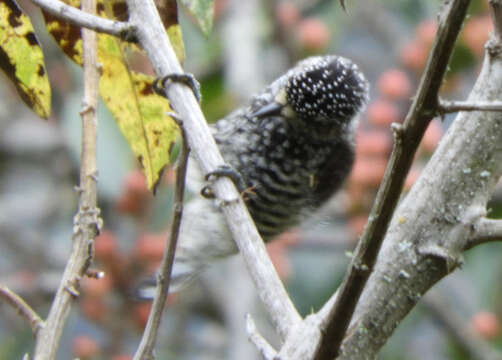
<point>323,91</point>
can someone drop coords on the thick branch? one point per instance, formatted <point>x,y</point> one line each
<point>23,309</point>
<point>154,40</point>
<point>485,230</point>
<point>407,141</point>
<point>433,223</point>
<point>147,345</point>
<point>86,221</point>
<point>85,19</point>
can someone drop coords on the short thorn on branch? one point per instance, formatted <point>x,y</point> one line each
<point>95,274</point>
<point>446,106</point>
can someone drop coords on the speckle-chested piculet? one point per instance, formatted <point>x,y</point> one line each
<point>293,146</point>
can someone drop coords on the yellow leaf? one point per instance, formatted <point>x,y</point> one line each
<point>139,112</point>
<point>176,39</point>
<point>66,35</point>
<point>22,60</point>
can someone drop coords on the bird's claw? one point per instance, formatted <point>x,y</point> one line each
<point>226,171</point>
<point>161,83</point>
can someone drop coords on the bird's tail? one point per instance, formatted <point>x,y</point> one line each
<point>182,275</point>
<point>203,239</point>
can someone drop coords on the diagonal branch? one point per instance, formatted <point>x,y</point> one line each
<point>154,40</point>
<point>147,345</point>
<point>25,310</point>
<point>407,140</point>
<point>85,19</point>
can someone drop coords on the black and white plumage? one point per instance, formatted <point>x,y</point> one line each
<point>293,145</point>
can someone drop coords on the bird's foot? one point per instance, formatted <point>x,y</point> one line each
<point>226,171</point>
<point>160,84</point>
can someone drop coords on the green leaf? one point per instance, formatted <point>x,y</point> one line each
<point>22,59</point>
<point>203,12</point>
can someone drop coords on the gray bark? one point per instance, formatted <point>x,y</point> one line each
<point>432,225</point>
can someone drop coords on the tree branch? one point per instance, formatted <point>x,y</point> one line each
<point>86,222</point>
<point>154,40</point>
<point>406,143</point>
<point>485,230</point>
<point>23,309</point>
<point>85,19</point>
<point>497,19</point>
<point>433,224</point>
<point>445,106</point>
<point>149,338</point>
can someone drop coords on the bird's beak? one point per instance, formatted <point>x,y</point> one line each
<point>271,109</point>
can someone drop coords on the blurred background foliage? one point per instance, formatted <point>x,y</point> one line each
<point>252,42</point>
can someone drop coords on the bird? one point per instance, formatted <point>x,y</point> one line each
<point>292,148</point>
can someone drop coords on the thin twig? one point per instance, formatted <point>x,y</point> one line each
<point>478,348</point>
<point>154,40</point>
<point>23,309</point>
<point>485,230</point>
<point>86,222</point>
<point>86,19</point>
<point>496,15</point>
<point>147,344</point>
<point>406,144</point>
<point>266,350</point>
<point>445,106</point>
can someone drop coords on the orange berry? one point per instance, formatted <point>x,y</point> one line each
<point>280,258</point>
<point>93,308</point>
<point>150,247</point>
<point>394,84</point>
<point>97,287</point>
<point>486,324</point>
<point>314,34</point>
<point>85,347</point>
<point>476,33</point>
<point>373,143</point>
<point>432,136</point>
<point>356,224</point>
<point>287,14</point>
<point>383,113</point>
<point>135,182</point>
<point>141,312</point>
<point>105,245</point>
<point>368,171</point>
<point>414,55</point>
<point>122,357</point>
<point>411,178</point>
<point>426,32</point>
